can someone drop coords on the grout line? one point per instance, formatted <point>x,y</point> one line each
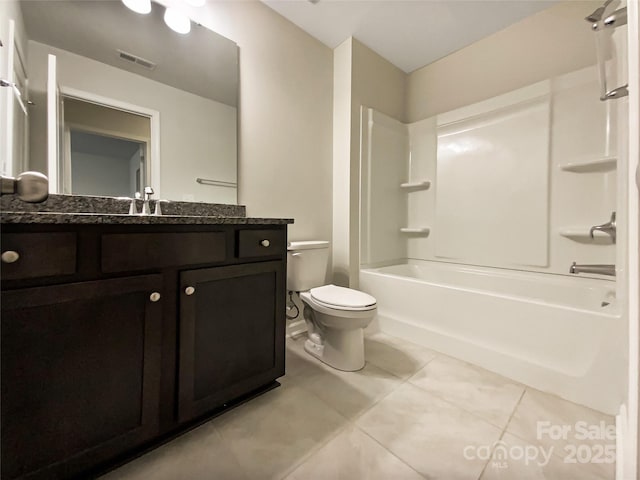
<point>554,452</point>
<point>350,421</point>
<point>524,390</point>
<point>475,414</point>
<point>387,450</point>
<point>315,450</point>
<point>354,419</point>
<point>504,430</point>
<point>410,375</point>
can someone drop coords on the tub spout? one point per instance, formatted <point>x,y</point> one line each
<point>597,269</point>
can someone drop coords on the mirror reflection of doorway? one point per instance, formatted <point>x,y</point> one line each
<point>106,150</point>
<point>105,166</point>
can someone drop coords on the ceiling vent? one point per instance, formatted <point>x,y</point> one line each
<point>130,57</point>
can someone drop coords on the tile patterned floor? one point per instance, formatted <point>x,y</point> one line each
<point>411,413</point>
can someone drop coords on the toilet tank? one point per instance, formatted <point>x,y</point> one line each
<point>306,264</point>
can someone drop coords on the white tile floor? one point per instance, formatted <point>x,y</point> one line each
<point>411,413</point>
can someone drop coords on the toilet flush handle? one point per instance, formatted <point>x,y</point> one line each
<point>294,255</point>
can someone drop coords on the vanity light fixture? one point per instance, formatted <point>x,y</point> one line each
<point>177,21</point>
<point>138,6</point>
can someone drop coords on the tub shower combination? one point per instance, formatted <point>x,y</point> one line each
<point>546,331</point>
<point>471,222</point>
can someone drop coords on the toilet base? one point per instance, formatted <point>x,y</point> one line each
<point>341,349</point>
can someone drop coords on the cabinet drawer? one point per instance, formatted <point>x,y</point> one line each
<point>38,255</point>
<point>139,251</point>
<point>261,243</point>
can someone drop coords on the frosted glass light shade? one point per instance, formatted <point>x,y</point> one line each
<point>138,6</point>
<point>177,21</point>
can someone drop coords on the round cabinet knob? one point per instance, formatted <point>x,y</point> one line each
<point>265,243</point>
<point>154,297</point>
<point>10,256</point>
<point>189,290</point>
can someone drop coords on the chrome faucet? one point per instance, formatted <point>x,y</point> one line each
<point>608,228</point>
<point>146,209</point>
<point>597,269</point>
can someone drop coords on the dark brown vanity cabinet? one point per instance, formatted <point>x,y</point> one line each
<point>230,333</point>
<point>80,373</point>
<point>102,356</point>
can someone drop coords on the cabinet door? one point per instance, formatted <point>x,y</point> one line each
<point>80,374</point>
<point>232,328</point>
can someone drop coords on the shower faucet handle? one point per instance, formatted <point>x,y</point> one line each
<point>608,228</point>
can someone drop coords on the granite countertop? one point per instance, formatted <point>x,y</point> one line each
<point>85,209</point>
<point>122,219</point>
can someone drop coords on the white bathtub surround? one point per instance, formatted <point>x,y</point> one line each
<point>507,172</point>
<point>547,331</point>
<point>492,180</point>
<point>324,424</point>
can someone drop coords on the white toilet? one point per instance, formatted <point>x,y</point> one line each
<point>335,316</point>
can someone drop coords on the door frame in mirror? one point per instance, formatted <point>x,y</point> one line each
<point>154,119</point>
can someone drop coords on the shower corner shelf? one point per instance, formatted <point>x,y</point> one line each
<point>416,230</point>
<point>604,164</point>
<point>581,235</point>
<point>418,185</point>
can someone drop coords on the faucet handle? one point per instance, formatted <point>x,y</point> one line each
<point>148,191</point>
<point>158,209</point>
<point>608,228</point>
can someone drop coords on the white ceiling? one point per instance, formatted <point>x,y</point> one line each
<point>408,33</point>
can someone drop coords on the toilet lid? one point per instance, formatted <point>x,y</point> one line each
<point>342,297</point>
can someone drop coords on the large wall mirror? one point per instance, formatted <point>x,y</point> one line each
<point>128,102</point>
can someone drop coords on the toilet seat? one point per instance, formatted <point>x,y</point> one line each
<point>341,298</point>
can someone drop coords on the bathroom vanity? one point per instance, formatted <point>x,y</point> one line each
<point>120,331</point>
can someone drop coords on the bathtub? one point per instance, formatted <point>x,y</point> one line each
<point>560,334</point>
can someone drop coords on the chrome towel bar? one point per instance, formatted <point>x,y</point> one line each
<point>216,183</point>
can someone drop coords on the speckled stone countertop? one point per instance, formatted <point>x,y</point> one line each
<point>121,219</point>
<point>80,209</point>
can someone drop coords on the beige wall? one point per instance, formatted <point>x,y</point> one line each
<point>362,77</point>
<point>539,47</point>
<point>285,116</point>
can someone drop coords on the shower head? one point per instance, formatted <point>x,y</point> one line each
<point>598,13</point>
